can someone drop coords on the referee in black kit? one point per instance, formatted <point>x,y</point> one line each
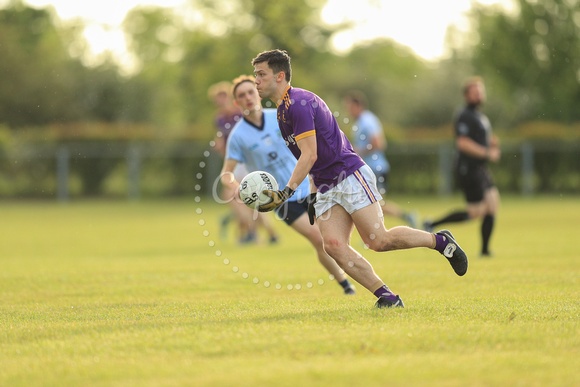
<point>476,145</point>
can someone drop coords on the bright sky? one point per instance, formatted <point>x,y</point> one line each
<point>419,24</point>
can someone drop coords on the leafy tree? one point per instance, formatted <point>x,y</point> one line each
<point>183,54</point>
<point>388,74</point>
<point>42,83</point>
<point>531,58</point>
<point>156,39</point>
<point>34,70</point>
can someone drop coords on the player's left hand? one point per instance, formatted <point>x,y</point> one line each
<point>278,197</point>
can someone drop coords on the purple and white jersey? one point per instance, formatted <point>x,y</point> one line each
<point>302,114</point>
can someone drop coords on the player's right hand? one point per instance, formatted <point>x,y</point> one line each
<point>311,212</point>
<point>278,198</point>
<point>494,154</point>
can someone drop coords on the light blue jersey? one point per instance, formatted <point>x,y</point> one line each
<point>264,149</point>
<point>367,127</point>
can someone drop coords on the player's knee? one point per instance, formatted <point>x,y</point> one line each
<point>476,211</point>
<point>333,247</point>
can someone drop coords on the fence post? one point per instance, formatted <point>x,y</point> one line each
<point>62,172</point>
<point>133,172</point>
<point>527,169</point>
<point>445,166</point>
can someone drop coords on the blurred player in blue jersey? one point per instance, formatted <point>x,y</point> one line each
<point>256,141</point>
<point>345,193</point>
<point>370,143</point>
<point>227,115</point>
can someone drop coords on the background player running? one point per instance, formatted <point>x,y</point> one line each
<point>370,143</point>
<point>226,116</point>
<point>476,145</point>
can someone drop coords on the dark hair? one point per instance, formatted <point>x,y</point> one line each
<point>278,60</point>
<point>358,97</point>
<point>241,79</point>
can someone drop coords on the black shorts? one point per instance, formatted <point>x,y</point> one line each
<point>474,183</point>
<point>290,211</point>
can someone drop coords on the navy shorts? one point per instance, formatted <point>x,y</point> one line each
<point>290,211</point>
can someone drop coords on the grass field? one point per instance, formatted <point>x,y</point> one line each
<point>106,293</point>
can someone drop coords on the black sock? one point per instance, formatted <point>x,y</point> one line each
<point>486,229</point>
<point>457,216</point>
<point>345,284</point>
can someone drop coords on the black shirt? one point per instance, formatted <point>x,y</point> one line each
<point>472,123</point>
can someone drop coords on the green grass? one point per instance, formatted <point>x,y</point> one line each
<point>141,294</point>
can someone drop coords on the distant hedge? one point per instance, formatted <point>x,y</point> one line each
<point>69,162</point>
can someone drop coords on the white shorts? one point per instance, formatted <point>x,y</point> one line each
<point>357,191</point>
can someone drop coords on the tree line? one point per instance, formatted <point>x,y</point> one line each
<point>530,60</point>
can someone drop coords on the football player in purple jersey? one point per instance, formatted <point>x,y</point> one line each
<point>256,142</point>
<point>344,194</point>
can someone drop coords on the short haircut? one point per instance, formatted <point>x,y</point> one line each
<point>241,79</point>
<point>278,60</point>
<point>470,82</point>
<point>218,88</point>
<point>358,97</point>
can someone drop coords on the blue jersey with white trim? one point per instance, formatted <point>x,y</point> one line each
<point>366,127</point>
<point>264,149</point>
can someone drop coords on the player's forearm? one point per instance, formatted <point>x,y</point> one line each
<point>313,187</point>
<point>302,169</point>
<point>227,174</point>
<point>308,156</point>
<point>471,148</point>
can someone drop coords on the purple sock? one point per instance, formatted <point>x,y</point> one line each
<point>384,291</point>
<point>440,243</point>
